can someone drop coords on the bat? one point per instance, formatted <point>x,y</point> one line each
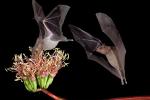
<point>50,26</point>
<point>109,28</point>
<point>114,54</point>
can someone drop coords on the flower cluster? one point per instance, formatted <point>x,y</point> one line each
<point>39,70</point>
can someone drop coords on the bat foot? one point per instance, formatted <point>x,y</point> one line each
<point>124,82</point>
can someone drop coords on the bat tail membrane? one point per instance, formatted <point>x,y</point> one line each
<point>108,27</point>
<point>87,41</point>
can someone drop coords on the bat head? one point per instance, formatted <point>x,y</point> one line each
<point>103,49</point>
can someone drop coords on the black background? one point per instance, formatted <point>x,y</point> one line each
<point>83,79</point>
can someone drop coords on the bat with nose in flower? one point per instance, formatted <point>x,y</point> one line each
<point>38,71</point>
<point>50,26</point>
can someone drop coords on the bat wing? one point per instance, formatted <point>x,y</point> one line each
<point>87,41</point>
<point>90,43</point>
<point>109,28</point>
<point>55,19</point>
<point>39,16</point>
<point>103,62</point>
<point>38,11</point>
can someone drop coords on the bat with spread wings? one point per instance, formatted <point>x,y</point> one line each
<point>50,26</point>
<point>115,54</point>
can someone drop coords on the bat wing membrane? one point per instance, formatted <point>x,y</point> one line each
<point>55,19</point>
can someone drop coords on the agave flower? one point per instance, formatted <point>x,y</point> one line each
<point>38,72</point>
<point>25,71</point>
<point>48,66</point>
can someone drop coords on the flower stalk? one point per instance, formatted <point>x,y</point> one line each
<point>50,94</point>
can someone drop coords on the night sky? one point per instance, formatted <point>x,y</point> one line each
<point>82,79</point>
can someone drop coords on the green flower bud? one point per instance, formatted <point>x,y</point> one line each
<point>30,85</point>
<point>44,82</point>
<point>41,81</point>
<point>49,81</point>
